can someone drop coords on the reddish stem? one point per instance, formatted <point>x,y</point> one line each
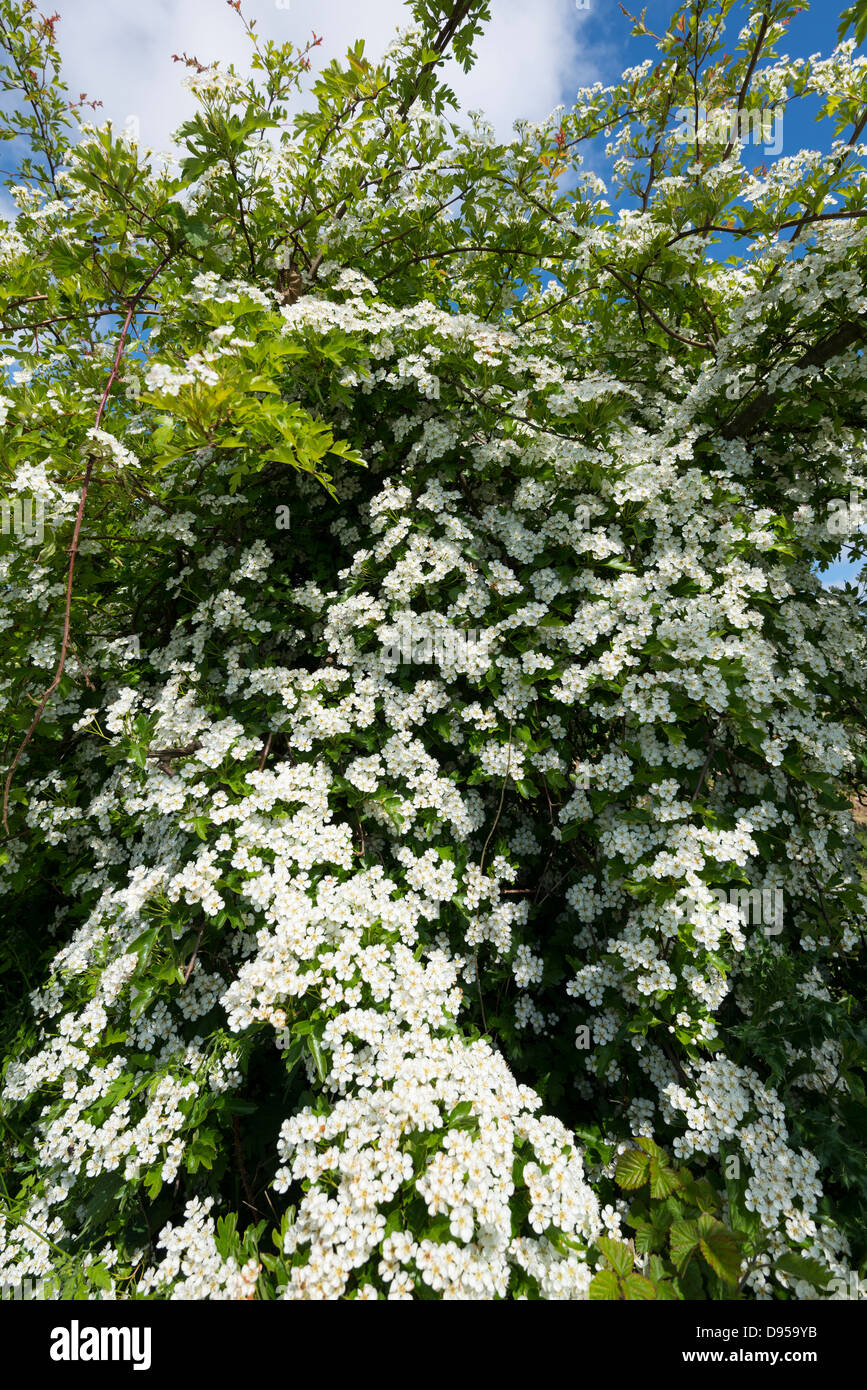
<point>73,549</point>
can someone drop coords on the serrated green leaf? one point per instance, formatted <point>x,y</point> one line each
<point>618,1255</point>
<point>604,1287</point>
<point>683,1241</point>
<point>663,1180</point>
<point>719,1248</point>
<point>802,1267</point>
<point>638,1289</point>
<point>632,1169</point>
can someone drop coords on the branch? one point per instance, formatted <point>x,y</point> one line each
<point>698,786</point>
<point>482,867</point>
<point>749,415</point>
<point>440,44</point>
<point>760,39</point>
<point>690,342</point>
<point>266,749</point>
<point>189,970</point>
<point>73,549</point>
<point>502,795</point>
<point>173,752</point>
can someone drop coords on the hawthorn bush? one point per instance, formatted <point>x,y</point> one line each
<point>420,648</point>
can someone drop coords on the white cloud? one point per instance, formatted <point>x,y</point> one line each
<point>532,56</point>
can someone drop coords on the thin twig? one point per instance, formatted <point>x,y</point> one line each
<point>73,549</point>
<point>173,752</point>
<point>748,77</point>
<point>189,970</point>
<point>502,795</point>
<point>265,751</point>
<point>710,752</point>
<point>553,890</point>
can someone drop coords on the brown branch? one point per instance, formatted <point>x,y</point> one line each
<point>840,161</point>
<point>748,77</point>
<point>440,44</point>
<point>189,970</point>
<point>173,752</point>
<point>230,160</point>
<point>470,248</point>
<point>560,881</point>
<point>672,333</point>
<point>669,1052</point>
<point>482,867</point>
<point>698,786</point>
<point>502,795</point>
<point>755,231</point>
<point>73,549</point>
<point>31,326</point>
<point>265,751</point>
<point>829,347</point>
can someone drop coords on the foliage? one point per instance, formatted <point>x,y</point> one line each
<point>422,650</point>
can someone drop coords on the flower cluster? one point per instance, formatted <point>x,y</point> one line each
<point>356,942</point>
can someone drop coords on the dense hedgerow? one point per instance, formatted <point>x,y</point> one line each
<point>423,648</point>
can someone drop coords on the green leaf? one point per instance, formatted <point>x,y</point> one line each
<point>801,1267</point>
<point>719,1248</point>
<point>153,1182</point>
<point>683,1241</point>
<point>666,1292</point>
<point>99,1275</point>
<point>318,1057</point>
<point>618,1255</point>
<point>460,1111</point>
<point>637,1289</point>
<point>663,1179</point>
<point>700,1193</point>
<point>632,1168</point>
<point>604,1287</point>
<point>650,1147</point>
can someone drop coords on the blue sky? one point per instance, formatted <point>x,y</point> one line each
<point>812,31</point>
